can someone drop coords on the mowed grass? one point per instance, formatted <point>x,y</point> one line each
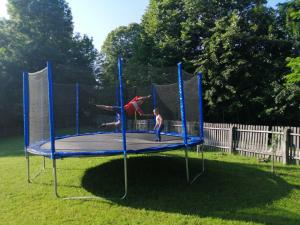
<point>233,190</point>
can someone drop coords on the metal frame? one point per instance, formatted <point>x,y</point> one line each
<point>184,127</point>
<point>200,148</point>
<point>43,168</point>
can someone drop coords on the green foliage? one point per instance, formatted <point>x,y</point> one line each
<point>201,18</point>
<point>162,25</point>
<point>285,107</point>
<point>239,59</point>
<point>292,13</point>
<point>123,41</point>
<point>35,32</point>
<point>286,94</point>
<point>294,64</point>
<point>293,18</point>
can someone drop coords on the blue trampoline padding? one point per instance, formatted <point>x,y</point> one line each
<point>109,143</point>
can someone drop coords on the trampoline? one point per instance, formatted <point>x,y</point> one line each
<point>40,112</point>
<point>102,144</point>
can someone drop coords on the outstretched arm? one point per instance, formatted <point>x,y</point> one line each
<point>144,97</point>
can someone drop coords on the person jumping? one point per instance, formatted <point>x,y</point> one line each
<point>132,107</point>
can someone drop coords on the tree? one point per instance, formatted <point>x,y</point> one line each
<point>37,31</point>
<point>240,59</point>
<point>286,95</point>
<point>161,32</point>
<point>124,41</point>
<point>46,31</point>
<point>291,14</point>
<point>48,28</point>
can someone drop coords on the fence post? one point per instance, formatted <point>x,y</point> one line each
<point>231,139</point>
<point>285,145</point>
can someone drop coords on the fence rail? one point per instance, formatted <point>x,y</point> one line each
<point>250,140</point>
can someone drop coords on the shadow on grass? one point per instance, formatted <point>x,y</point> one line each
<point>226,190</point>
<point>11,146</point>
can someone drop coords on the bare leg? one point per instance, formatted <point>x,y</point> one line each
<point>105,107</point>
<point>112,124</point>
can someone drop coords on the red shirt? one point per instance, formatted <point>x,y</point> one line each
<point>132,107</point>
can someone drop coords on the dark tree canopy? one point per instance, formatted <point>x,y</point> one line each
<point>37,31</point>
<point>240,46</point>
<point>248,53</point>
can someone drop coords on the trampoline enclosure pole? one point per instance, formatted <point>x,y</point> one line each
<point>182,104</point>
<point>123,123</point>
<point>26,119</point>
<point>117,102</point>
<point>200,105</point>
<point>183,118</point>
<point>51,122</point>
<point>77,108</point>
<point>51,112</point>
<point>154,100</point>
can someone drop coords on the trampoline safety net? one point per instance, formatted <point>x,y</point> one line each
<point>39,128</point>
<point>94,108</point>
<point>168,102</point>
<point>76,112</point>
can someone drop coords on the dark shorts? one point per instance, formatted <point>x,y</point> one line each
<point>116,109</point>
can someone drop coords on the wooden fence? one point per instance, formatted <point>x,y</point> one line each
<point>282,143</point>
<point>255,140</point>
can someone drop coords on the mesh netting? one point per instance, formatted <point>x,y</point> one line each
<point>75,108</point>
<point>64,99</point>
<point>191,103</point>
<point>143,75</point>
<point>191,97</point>
<point>38,107</point>
<point>92,117</point>
<point>76,111</point>
<point>168,102</point>
<point>166,96</point>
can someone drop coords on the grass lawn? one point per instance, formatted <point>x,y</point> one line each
<point>233,190</point>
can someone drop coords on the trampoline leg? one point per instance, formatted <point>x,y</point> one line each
<point>38,173</point>
<point>94,197</point>
<point>203,167</point>
<point>28,168</point>
<point>55,177</point>
<point>125,178</point>
<point>187,164</point>
<point>44,163</point>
